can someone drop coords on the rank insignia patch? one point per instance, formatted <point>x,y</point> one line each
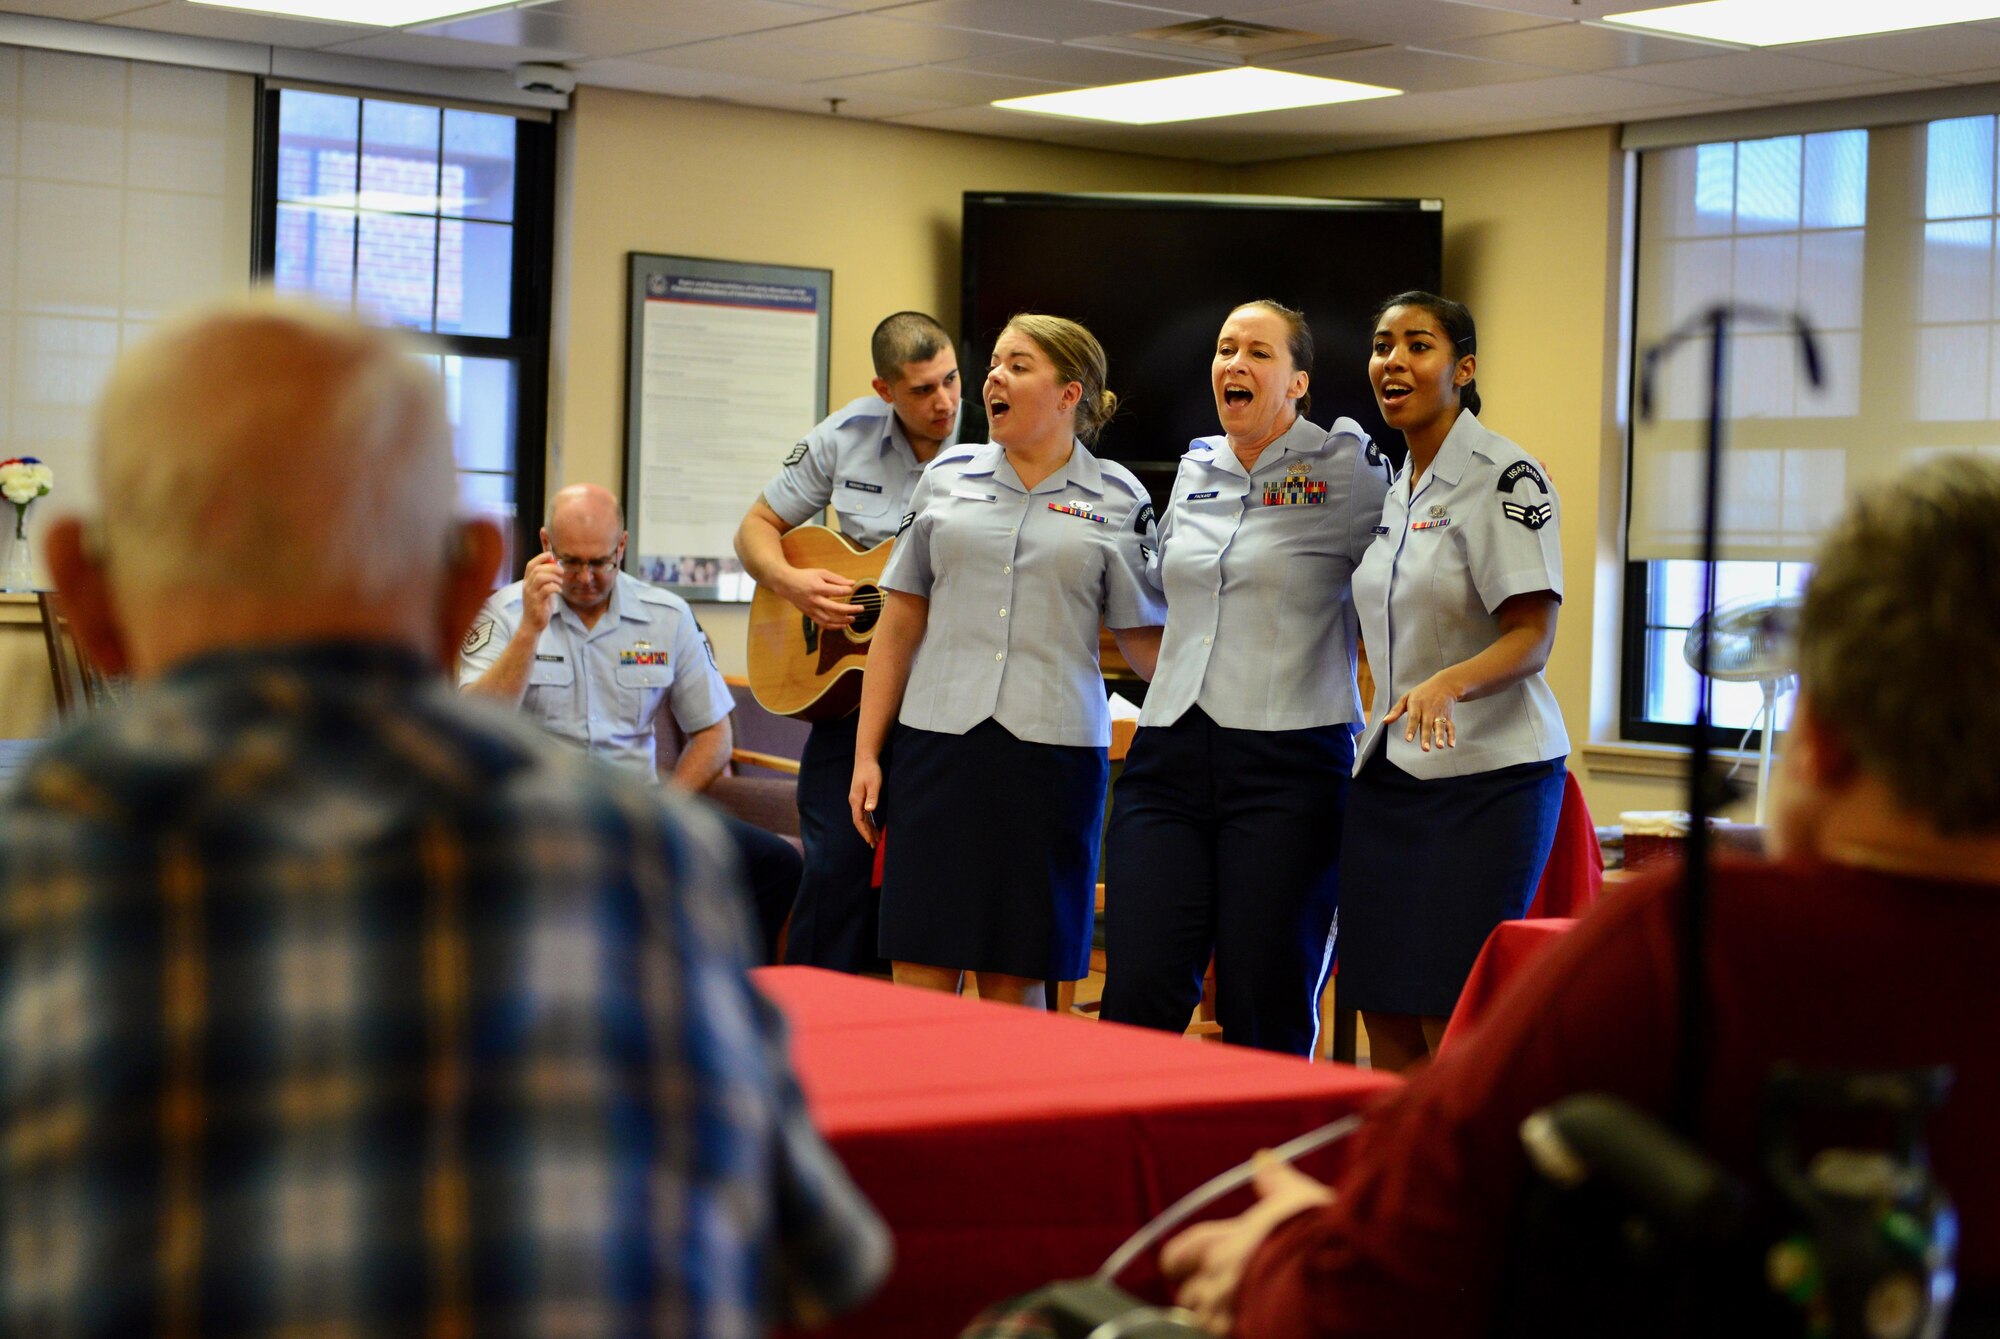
<point>909,519</point>
<point>476,636</point>
<point>1534,515</point>
<point>798,453</point>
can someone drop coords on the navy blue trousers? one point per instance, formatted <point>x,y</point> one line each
<point>771,866</point>
<point>834,921</point>
<point>1225,842</point>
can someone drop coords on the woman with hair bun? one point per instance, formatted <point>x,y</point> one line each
<point>1013,554</point>
<point>1459,778</point>
<point>1224,836</point>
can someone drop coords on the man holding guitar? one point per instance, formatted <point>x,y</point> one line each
<point>863,461</point>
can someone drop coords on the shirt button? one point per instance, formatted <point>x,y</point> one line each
<point>999,655</point>
<point>1008,569</point>
<point>1003,613</point>
<point>1208,641</point>
<point>1015,531</point>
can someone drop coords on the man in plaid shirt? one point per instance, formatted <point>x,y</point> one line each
<point>330,1003</point>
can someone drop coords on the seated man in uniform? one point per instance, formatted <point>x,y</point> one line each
<point>335,1004</point>
<point>604,660</point>
<point>1887,832</point>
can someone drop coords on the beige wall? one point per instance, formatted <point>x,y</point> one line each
<point>878,205</point>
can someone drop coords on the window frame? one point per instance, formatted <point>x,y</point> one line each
<point>531,298</point>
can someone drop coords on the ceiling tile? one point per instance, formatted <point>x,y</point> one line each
<point>1586,97</point>
<point>1581,47</point>
<point>766,58</point>
<point>1569,11</point>
<point>423,49</point>
<point>235,26</point>
<point>1865,89</point>
<point>1416,71</point>
<point>1049,20</point>
<point>951,87</point>
<point>1921,51</point>
<point>607,30</point>
<point>984,120</point>
<point>1066,63</point>
<point>76,9</point>
<point>899,43</point>
<point>1757,73</point>
<point>1407,22</point>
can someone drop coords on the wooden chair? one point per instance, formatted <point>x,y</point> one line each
<point>79,685</point>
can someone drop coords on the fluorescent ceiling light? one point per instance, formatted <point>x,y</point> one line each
<point>1197,97</point>
<point>375,13</point>
<point>1778,22</point>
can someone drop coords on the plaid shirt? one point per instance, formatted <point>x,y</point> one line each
<point>333,1005</point>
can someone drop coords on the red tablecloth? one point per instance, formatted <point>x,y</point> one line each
<point>1008,1147</point>
<point>1509,949</point>
<point>1574,874</point>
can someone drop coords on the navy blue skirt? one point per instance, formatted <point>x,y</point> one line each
<point>1428,868</point>
<point>992,852</point>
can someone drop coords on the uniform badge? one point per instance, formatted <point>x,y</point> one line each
<point>1080,510</point>
<point>861,487</point>
<point>1297,489</point>
<point>1144,521</point>
<point>1518,471</point>
<point>1438,523</point>
<point>642,653</point>
<point>1534,515</point>
<point>798,454</point>
<point>909,519</point>
<point>1437,511</point>
<point>1204,496</point>
<point>1380,530</point>
<point>476,637</point>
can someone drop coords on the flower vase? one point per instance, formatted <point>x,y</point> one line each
<point>19,574</point>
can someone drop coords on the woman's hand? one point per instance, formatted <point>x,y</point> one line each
<point>1428,707</point>
<point>862,795</point>
<point>1205,1263</point>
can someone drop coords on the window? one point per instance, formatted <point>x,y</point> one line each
<point>1884,238</point>
<point>435,219</point>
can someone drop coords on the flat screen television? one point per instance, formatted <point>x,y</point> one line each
<point>1154,275</point>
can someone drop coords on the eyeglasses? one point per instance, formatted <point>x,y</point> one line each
<point>597,566</point>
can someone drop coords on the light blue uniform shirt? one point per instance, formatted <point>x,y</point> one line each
<point>1483,527</point>
<point>1255,566</point>
<point>604,688</point>
<point>1019,582</point>
<point>859,462</point>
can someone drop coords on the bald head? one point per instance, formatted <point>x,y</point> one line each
<point>586,533</point>
<point>275,447</point>
<point>271,472</point>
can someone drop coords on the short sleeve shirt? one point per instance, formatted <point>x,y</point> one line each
<point>857,461</point>
<point>1019,582</point>
<point>1255,566</point>
<point>604,688</point>
<point>1481,527</point>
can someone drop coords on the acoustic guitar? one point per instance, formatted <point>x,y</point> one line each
<point>798,668</point>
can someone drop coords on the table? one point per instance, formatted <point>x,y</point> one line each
<point>1008,1147</point>
<point>1508,951</point>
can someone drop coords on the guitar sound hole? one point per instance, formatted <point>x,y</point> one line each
<point>870,599</point>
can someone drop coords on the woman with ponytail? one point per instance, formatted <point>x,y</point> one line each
<point>1014,553</point>
<point>1459,777</point>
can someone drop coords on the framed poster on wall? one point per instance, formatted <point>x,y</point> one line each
<point>726,369</point>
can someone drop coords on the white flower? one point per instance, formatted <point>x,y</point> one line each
<point>44,476</point>
<point>20,492</point>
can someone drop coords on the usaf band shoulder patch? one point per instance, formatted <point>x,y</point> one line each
<point>1534,515</point>
<point>1143,521</point>
<point>1518,471</point>
<point>476,637</point>
<point>798,453</point>
<point>909,519</point>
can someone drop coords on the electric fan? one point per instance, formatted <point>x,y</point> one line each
<point>1751,641</point>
